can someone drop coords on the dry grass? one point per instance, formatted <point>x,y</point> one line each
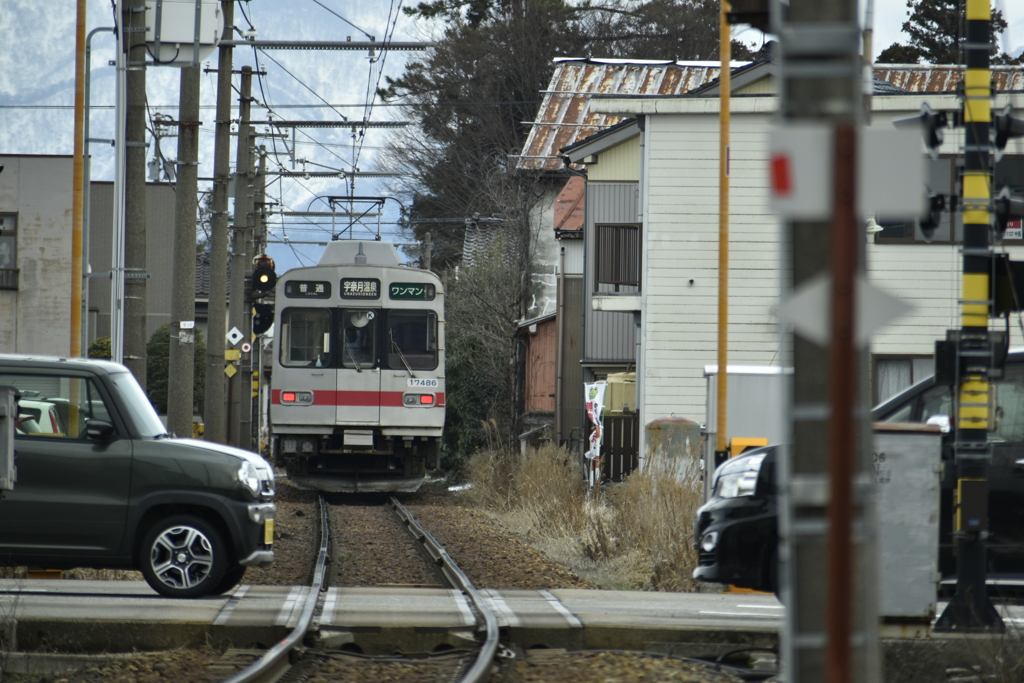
<point>633,535</point>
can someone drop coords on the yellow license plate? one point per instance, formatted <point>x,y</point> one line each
<point>268,532</point>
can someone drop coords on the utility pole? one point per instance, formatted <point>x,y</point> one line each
<point>240,309</point>
<point>181,368</point>
<point>135,272</point>
<point>214,400</point>
<point>830,632</point>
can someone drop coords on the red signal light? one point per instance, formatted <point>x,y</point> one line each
<point>426,399</point>
<point>287,397</point>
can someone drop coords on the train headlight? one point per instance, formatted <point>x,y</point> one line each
<point>249,476</point>
<point>298,398</point>
<point>418,399</point>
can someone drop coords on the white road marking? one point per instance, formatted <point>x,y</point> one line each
<point>739,614</point>
<point>463,604</point>
<point>761,606</point>
<point>497,603</point>
<point>330,602</point>
<point>229,608</point>
<point>289,606</point>
<point>562,609</point>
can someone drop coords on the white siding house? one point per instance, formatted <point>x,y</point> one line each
<point>679,211</point>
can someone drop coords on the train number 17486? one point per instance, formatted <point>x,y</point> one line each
<point>423,383</point>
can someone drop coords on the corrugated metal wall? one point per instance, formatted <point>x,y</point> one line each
<point>610,336</point>
<point>570,414</point>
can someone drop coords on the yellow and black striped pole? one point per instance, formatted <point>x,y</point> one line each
<point>970,609</point>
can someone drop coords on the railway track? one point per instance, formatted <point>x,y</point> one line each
<point>294,650</point>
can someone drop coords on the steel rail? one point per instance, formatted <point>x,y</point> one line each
<point>481,668</point>
<point>274,661</point>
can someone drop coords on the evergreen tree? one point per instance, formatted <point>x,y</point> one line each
<point>474,94</point>
<point>158,355</point>
<point>936,29</point>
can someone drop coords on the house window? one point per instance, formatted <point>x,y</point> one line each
<point>8,251</point>
<point>893,374</point>
<point>617,255</point>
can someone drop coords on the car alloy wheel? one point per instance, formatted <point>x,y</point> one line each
<point>184,556</point>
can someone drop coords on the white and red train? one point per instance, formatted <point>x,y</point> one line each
<point>357,400</point>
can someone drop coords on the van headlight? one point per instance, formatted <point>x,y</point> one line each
<point>738,477</point>
<point>249,476</point>
<point>709,542</point>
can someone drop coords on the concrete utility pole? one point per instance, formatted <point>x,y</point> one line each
<point>181,368</point>
<point>832,639</point>
<point>240,313</point>
<point>135,272</point>
<point>214,402</point>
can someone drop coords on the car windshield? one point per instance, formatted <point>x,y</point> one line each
<point>136,403</point>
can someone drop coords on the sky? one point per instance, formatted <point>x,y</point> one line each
<point>37,94</point>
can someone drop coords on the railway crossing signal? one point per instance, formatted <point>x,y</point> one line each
<point>263,280</point>
<point>262,318</point>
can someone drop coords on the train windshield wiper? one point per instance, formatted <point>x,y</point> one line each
<point>348,347</point>
<point>394,345</point>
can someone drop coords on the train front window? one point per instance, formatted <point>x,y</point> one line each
<point>306,337</point>
<point>412,340</point>
<point>359,338</point>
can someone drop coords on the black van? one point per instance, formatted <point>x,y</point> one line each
<point>101,484</point>
<point>736,532</point>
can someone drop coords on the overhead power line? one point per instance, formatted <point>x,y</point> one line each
<point>405,46</point>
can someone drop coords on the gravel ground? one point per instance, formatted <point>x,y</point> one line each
<point>371,549</point>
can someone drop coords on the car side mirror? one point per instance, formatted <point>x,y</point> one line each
<point>942,421</point>
<point>99,430</point>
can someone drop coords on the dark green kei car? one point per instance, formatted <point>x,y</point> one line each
<point>101,484</point>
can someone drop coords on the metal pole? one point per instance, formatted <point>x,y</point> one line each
<point>970,609</point>
<point>724,93</point>
<point>87,187</point>
<point>181,364</point>
<point>214,402</point>
<point>842,391</point>
<point>77,205</point>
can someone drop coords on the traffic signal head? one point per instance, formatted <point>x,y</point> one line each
<point>1007,206</point>
<point>262,318</point>
<point>930,222</point>
<point>263,279</point>
<point>1006,127</point>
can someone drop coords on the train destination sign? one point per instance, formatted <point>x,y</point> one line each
<point>411,291</point>
<point>307,289</point>
<point>360,288</point>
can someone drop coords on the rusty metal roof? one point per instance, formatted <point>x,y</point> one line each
<point>569,205</point>
<point>564,116</point>
<point>936,78</point>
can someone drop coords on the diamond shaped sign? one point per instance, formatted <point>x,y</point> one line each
<point>234,336</point>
